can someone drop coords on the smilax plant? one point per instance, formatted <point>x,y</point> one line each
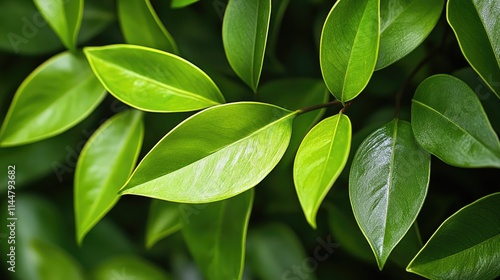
<point>267,139</point>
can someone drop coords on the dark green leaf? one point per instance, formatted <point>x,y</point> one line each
<point>45,256</point>
<point>175,4</point>
<point>163,220</point>
<point>387,185</point>
<point>129,267</point>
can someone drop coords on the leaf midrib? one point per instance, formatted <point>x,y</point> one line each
<point>487,34</point>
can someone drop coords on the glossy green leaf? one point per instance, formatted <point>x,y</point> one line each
<point>477,28</point>
<point>103,166</point>
<point>66,92</point>
<point>175,4</point>
<point>244,34</point>
<point>45,255</point>
<point>465,246</point>
<point>321,157</point>
<point>404,25</point>
<point>164,219</point>
<point>449,122</point>
<point>215,154</point>
<point>220,250</point>
<point>64,17</point>
<point>387,185</point>
<point>152,80</point>
<point>349,47</point>
<point>129,267</point>
<point>141,26</point>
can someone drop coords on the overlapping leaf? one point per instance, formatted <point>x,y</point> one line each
<point>104,165</point>
<point>175,4</point>
<point>449,122</point>
<point>244,34</point>
<point>53,98</point>
<point>320,159</point>
<point>465,246</point>
<point>387,185</point>
<point>220,250</point>
<point>349,47</point>
<point>164,219</point>
<point>477,28</point>
<point>141,26</point>
<point>215,154</point>
<point>152,80</point>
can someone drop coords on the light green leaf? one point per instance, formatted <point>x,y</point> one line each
<point>477,28</point>
<point>449,122</point>
<point>349,47</point>
<point>220,250</point>
<point>465,246</point>
<point>152,80</point>
<point>46,257</point>
<point>215,154</point>
<point>141,26</point>
<point>404,25</point>
<point>164,219</point>
<point>55,97</point>
<point>176,4</point>
<point>64,17</point>
<point>129,267</point>
<point>244,34</point>
<point>321,157</point>
<point>387,186</point>
<point>103,166</point>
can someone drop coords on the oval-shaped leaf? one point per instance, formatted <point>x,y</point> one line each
<point>349,47</point>
<point>176,4</point>
<point>141,26</point>
<point>244,34</point>
<point>477,28</point>
<point>387,185</point>
<point>45,257</point>
<point>164,219</point>
<point>64,17</point>
<point>404,25</point>
<point>321,157</point>
<point>215,154</point>
<point>220,251</point>
<point>465,246</point>
<point>129,267</point>
<point>449,122</point>
<point>152,80</point>
<point>53,98</point>
<point>103,166</point>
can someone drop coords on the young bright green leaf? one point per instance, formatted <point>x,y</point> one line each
<point>477,28</point>
<point>449,122</point>
<point>215,154</point>
<point>320,159</point>
<point>43,257</point>
<point>244,34</point>
<point>53,98</point>
<point>141,26</point>
<point>64,17</point>
<point>404,25</point>
<point>387,186</point>
<point>349,47</point>
<point>465,246</point>
<point>152,80</point>
<point>128,267</point>
<point>103,166</point>
<point>216,236</point>
<point>164,219</point>
<point>176,4</point>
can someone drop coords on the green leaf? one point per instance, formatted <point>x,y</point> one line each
<point>176,4</point>
<point>244,34</point>
<point>152,80</point>
<point>404,25</point>
<point>215,154</point>
<point>321,157</point>
<point>349,47</point>
<point>129,267</point>
<point>64,17</point>
<point>220,251</point>
<point>387,186</point>
<point>103,166</point>
<point>141,26</point>
<point>97,16</point>
<point>465,246</point>
<point>449,122</point>
<point>476,26</point>
<point>66,92</point>
<point>164,219</point>
<point>45,255</point>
